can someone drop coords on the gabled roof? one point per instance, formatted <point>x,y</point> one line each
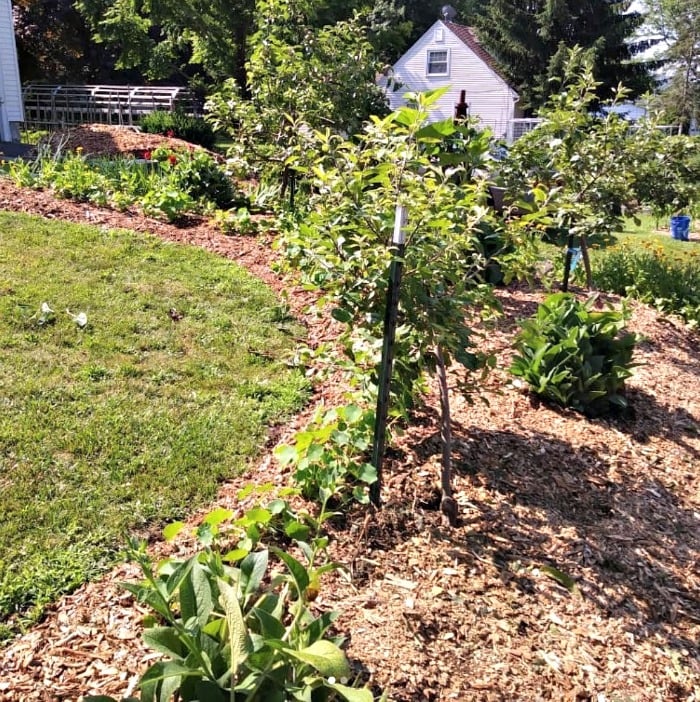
<point>467,35</point>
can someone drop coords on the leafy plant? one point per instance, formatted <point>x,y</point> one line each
<point>341,244</point>
<point>236,221</point>
<point>572,354</point>
<point>232,628</point>
<point>653,277</point>
<point>330,455</point>
<point>197,174</point>
<point>177,124</point>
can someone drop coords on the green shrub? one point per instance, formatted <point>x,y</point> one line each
<point>197,174</point>
<point>653,277</point>
<point>572,354</point>
<point>234,626</point>
<point>176,124</point>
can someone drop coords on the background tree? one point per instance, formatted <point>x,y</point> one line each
<point>530,39</point>
<point>54,44</point>
<point>677,22</point>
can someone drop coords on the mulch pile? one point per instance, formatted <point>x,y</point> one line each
<point>574,573</point>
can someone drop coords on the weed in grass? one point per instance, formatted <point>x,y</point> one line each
<point>132,419</point>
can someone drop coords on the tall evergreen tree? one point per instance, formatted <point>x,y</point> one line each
<point>677,22</point>
<point>529,39</point>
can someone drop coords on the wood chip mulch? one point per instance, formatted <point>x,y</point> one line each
<point>574,573</point>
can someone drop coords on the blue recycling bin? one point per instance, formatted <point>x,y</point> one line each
<point>680,227</point>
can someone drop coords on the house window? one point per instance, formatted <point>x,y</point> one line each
<point>438,62</point>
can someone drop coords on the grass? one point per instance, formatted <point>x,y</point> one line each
<point>134,419</point>
<point>646,235</point>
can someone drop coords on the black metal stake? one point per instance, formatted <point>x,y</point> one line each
<point>390,319</point>
<point>567,262</point>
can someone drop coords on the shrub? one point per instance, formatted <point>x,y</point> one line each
<point>650,276</point>
<point>197,174</point>
<point>193,129</point>
<point>572,354</point>
<point>232,625</point>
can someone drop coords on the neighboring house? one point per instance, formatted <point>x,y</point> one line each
<point>449,54</point>
<point>11,111</point>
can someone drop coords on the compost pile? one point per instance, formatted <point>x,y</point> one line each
<point>574,573</point>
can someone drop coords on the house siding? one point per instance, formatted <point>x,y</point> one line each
<point>489,97</point>
<point>11,111</point>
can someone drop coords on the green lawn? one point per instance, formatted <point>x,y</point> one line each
<point>133,419</point>
<point>647,235</point>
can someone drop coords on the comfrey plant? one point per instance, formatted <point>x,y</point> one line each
<point>573,354</point>
<point>236,622</point>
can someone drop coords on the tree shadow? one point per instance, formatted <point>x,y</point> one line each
<point>651,418</point>
<point>625,539</point>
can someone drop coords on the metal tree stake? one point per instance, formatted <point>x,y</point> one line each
<point>390,317</point>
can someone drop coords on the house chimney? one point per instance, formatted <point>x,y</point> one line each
<point>461,108</point>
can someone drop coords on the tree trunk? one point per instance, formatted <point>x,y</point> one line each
<point>448,505</point>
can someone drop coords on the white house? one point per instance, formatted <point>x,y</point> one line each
<point>449,54</point>
<point>11,110</point>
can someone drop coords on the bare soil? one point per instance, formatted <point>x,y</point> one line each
<point>478,611</point>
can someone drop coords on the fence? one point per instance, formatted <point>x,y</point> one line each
<point>523,125</point>
<point>52,106</point>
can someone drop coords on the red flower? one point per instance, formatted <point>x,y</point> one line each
<point>147,155</point>
<point>170,133</point>
<point>173,159</point>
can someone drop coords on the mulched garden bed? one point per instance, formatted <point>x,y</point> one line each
<point>574,573</point>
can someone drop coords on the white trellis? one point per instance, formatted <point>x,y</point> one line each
<point>62,105</point>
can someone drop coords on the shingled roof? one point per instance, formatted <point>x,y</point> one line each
<point>468,36</point>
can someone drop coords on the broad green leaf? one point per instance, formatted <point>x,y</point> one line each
<point>352,694</point>
<point>196,596</point>
<point>152,681</point>
<point>285,454</point>
<point>239,640</point>
<point>325,657</point>
<point>297,531</point>
<point>165,640</point>
<point>253,568</point>
<point>215,517</point>
<point>172,530</point>
<point>270,626</point>
<point>178,575</point>
<point>297,570</point>
<point>208,691</point>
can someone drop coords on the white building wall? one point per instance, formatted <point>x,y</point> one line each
<point>489,97</point>
<point>11,110</point>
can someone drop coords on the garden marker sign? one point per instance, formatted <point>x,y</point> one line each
<point>390,316</point>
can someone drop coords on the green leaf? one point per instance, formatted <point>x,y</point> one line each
<point>366,472</point>
<point>352,694</point>
<point>325,657</point>
<point>215,517</point>
<point>208,691</point>
<point>196,596</point>
<point>253,568</point>
<point>162,679</point>
<point>239,640</point>
<point>271,627</point>
<point>297,570</point>
<point>165,640</point>
<point>297,531</point>
<point>172,530</point>
<point>562,578</point>
<point>286,454</point>
<point>341,315</point>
